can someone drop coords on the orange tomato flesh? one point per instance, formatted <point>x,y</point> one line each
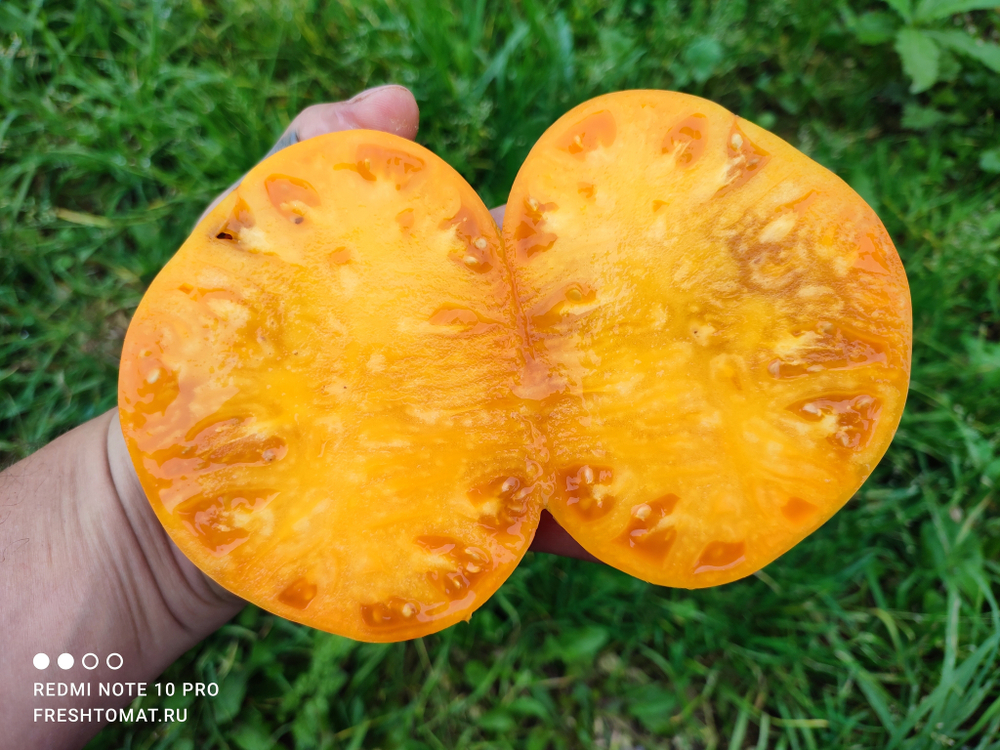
<point>725,330</point>
<point>348,396</point>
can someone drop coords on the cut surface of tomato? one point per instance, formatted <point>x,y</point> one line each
<point>314,392</point>
<point>348,396</point>
<point>724,330</point>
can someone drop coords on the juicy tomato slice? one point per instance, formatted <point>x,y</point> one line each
<point>315,392</point>
<point>719,331</point>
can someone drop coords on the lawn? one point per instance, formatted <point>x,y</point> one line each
<point>121,119</point>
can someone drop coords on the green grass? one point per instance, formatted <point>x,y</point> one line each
<point>119,120</point>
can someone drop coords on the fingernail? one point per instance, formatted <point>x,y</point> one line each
<point>369,92</point>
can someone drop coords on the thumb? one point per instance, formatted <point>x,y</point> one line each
<point>391,109</point>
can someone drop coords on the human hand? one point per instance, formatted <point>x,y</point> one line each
<point>85,565</point>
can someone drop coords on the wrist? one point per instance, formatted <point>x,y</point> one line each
<point>192,598</point>
<point>87,569</point>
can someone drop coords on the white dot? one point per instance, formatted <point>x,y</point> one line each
<point>41,661</point>
<point>83,661</point>
<point>65,661</point>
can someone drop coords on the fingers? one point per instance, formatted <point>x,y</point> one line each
<point>497,214</point>
<point>552,538</point>
<point>391,109</point>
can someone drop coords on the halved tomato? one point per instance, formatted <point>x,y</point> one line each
<point>348,397</point>
<point>724,330</point>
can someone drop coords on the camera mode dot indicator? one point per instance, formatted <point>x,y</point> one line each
<point>41,661</point>
<point>65,661</point>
